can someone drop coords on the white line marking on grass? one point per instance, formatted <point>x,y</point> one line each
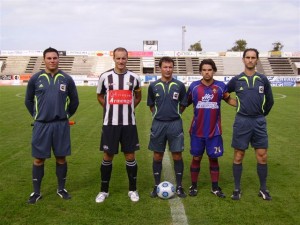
<point>20,95</point>
<point>177,208</point>
<point>280,96</point>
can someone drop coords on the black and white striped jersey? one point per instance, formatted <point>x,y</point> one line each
<point>119,96</point>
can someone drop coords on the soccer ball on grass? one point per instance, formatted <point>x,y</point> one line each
<point>165,190</point>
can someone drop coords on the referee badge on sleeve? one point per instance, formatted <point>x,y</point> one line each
<point>261,89</point>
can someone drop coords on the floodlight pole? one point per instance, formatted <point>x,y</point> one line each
<point>183,38</point>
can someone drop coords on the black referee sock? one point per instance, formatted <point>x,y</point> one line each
<point>262,172</point>
<point>157,168</point>
<point>106,169</point>
<point>61,174</point>
<point>131,168</point>
<point>37,176</point>
<point>237,174</point>
<point>178,167</point>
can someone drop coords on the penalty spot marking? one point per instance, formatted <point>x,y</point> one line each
<point>177,208</point>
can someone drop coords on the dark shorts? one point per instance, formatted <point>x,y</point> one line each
<point>163,131</point>
<point>55,135</point>
<point>249,130</point>
<point>112,136</point>
<point>214,146</point>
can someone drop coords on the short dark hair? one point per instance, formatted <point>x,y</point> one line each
<point>50,50</point>
<point>209,62</point>
<point>251,49</point>
<point>121,49</point>
<point>165,59</point>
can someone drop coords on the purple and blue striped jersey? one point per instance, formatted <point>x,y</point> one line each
<point>207,107</point>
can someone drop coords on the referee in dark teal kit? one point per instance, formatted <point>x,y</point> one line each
<point>167,101</point>
<point>51,99</point>
<point>255,100</point>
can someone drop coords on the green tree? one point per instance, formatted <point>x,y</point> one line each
<point>240,46</point>
<point>196,47</point>
<point>277,46</point>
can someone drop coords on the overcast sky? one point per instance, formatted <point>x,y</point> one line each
<point>105,24</point>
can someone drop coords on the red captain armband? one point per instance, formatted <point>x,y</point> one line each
<point>120,97</point>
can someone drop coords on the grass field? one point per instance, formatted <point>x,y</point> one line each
<point>84,173</point>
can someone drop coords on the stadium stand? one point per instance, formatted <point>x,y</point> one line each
<point>134,64</point>
<point>15,65</point>
<point>102,64</point>
<point>180,66</point>
<point>281,66</point>
<point>2,63</point>
<point>232,65</point>
<point>31,66</point>
<point>217,60</point>
<point>93,66</point>
<point>83,65</point>
<point>264,66</point>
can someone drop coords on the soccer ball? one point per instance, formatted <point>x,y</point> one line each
<point>165,190</point>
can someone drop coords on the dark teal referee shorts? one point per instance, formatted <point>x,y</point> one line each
<point>52,135</point>
<point>251,130</point>
<point>166,131</point>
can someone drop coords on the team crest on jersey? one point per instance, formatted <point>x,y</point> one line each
<point>261,89</point>
<point>214,90</point>
<point>129,83</point>
<point>62,87</point>
<point>175,95</point>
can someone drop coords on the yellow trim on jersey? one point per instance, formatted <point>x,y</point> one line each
<point>45,75</point>
<point>58,75</point>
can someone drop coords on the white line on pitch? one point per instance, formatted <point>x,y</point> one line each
<point>177,208</point>
<point>20,95</point>
<point>280,96</point>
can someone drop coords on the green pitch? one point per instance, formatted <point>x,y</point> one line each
<point>84,174</point>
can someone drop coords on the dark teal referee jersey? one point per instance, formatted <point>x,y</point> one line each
<point>253,93</point>
<point>51,98</point>
<point>166,98</point>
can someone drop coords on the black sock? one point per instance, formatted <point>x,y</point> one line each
<point>157,168</point>
<point>106,169</point>
<point>131,168</point>
<point>178,168</point>
<point>61,174</point>
<point>237,174</point>
<point>262,172</point>
<point>37,176</point>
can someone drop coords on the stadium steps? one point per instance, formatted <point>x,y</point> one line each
<point>189,66</point>
<point>218,61</point>
<point>101,65</point>
<point>3,64</point>
<point>83,65</point>
<point>180,66</point>
<point>14,64</point>
<point>31,64</point>
<point>264,66</point>
<point>65,63</point>
<point>232,65</point>
<point>293,61</point>
<point>134,64</point>
<point>281,66</point>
